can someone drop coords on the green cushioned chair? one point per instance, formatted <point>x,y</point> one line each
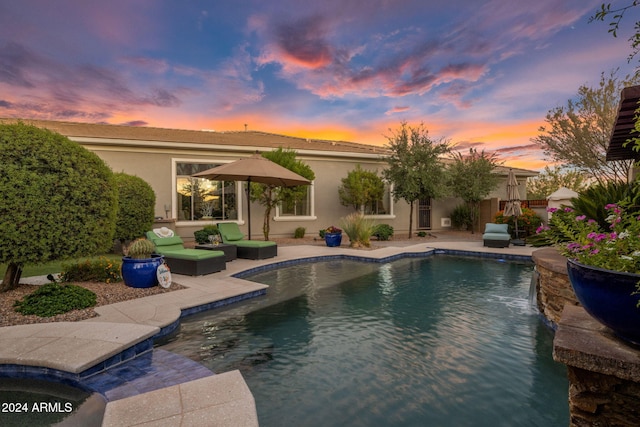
<point>248,249</point>
<point>496,235</point>
<point>192,262</point>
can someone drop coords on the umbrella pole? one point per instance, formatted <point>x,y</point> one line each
<point>249,205</point>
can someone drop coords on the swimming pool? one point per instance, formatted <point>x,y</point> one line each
<point>435,341</point>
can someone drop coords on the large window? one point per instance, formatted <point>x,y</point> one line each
<point>382,206</point>
<point>299,208</point>
<point>203,199</point>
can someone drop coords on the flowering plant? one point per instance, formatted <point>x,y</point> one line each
<point>333,229</point>
<point>616,249</point>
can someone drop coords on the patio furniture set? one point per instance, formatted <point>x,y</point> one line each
<point>210,258</point>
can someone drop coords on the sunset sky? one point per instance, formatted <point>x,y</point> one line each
<point>479,73</point>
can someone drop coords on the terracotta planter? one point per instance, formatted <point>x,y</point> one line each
<point>607,296</point>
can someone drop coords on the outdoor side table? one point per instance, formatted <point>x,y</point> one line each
<point>230,251</point>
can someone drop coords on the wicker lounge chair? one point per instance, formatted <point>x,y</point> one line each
<point>192,262</point>
<point>247,249</point>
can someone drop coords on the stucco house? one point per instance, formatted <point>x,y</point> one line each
<point>166,159</point>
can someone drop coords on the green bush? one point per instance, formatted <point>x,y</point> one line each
<point>299,233</point>
<point>358,228</point>
<point>322,232</point>
<point>136,206</point>
<point>528,222</point>
<point>91,270</point>
<point>383,231</point>
<point>421,234</point>
<point>202,236</point>
<point>53,298</point>
<point>59,200</point>
<point>461,217</point>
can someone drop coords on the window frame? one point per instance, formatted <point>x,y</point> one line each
<point>174,196</point>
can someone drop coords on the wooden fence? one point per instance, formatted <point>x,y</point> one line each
<point>540,203</point>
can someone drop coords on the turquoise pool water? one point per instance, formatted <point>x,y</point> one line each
<point>438,341</point>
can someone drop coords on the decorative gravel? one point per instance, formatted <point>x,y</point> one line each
<point>106,294</point>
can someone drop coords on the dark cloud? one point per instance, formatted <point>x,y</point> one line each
<point>466,145</point>
<point>15,62</point>
<point>304,41</point>
<point>162,98</point>
<point>518,148</point>
<point>136,123</point>
<point>5,104</point>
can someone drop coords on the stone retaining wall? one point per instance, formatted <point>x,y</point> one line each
<point>553,290</point>
<point>603,371</point>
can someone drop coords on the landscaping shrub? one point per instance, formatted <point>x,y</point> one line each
<point>528,222</point>
<point>383,231</point>
<point>421,234</point>
<point>91,270</point>
<point>53,298</point>
<point>136,205</point>
<point>299,233</point>
<point>461,217</point>
<point>359,229</point>
<point>59,200</point>
<point>202,236</point>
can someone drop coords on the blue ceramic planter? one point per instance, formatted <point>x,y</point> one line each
<point>607,296</point>
<point>141,273</point>
<point>333,239</point>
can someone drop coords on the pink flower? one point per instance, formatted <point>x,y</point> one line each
<point>552,210</point>
<point>567,209</point>
<point>581,217</point>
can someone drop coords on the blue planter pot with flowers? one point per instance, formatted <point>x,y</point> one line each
<point>609,297</point>
<point>604,264</point>
<point>333,239</point>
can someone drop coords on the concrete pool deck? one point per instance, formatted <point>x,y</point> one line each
<point>81,350</point>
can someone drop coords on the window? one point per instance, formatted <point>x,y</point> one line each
<point>382,206</point>
<point>297,208</point>
<point>199,198</point>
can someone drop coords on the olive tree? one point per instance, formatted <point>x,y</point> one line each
<point>136,207</point>
<point>270,196</point>
<point>59,200</point>
<point>472,179</point>
<point>577,135</point>
<point>415,167</point>
<point>359,188</point>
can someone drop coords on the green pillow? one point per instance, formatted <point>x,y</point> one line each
<point>496,228</point>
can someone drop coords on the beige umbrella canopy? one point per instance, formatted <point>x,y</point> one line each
<point>254,169</point>
<point>513,207</point>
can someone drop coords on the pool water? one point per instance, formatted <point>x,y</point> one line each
<point>436,341</point>
<point>36,403</point>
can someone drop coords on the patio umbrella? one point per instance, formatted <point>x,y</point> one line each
<point>512,207</point>
<point>254,169</point>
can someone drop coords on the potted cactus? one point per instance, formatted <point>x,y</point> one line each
<point>140,265</point>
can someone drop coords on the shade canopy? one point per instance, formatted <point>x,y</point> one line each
<point>254,169</point>
<point>512,207</point>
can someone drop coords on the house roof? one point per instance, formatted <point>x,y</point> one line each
<point>249,139</point>
<point>624,125</point>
